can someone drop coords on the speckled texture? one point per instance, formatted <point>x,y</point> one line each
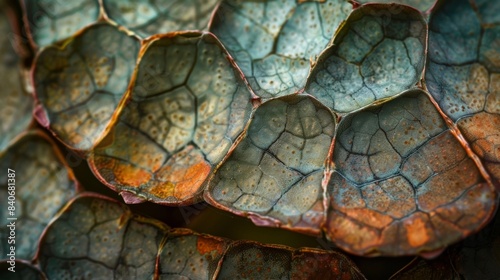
<point>400,180</point>
<point>277,170</point>
<point>273,41</point>
<point>387,58</point>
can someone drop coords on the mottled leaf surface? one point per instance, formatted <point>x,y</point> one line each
<point>273,41</point>
<point>248,260</point>
<point>97,238</point>
<point>43,185</point>
<point>275,174</point>
<point>147,18</point>
<point>184,114</point>
<point>403,184</point>
<point>80,84</point>
<point>16,105</point>
<point>377,53</point>
<point>463,73</point>
<point>52,21</point>
<point>422,5</point>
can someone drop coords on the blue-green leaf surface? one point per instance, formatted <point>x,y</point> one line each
<point>147,18</point>
<point>274,41</point>
<point>53,21</point>
<point>377,53</point>
<point>275,174</point>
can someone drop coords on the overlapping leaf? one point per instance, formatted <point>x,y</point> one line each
<point>273,41</point>
<point>186,108</point>
<point>80,84</point>
<point>403,183</point>
<point>16,105</point>
<point>275,173</point>
<point>148,18</point>
<point>378,53</point>
<point>96,238</point>
<point>52,21</point>
<point>41,186</point>
<point>463,73</point>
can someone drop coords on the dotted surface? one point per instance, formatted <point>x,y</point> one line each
<point>372,57</point>
<point>273,41</point>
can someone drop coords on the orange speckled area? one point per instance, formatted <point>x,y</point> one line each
<point>102,163</point>
<point>129,175</point>
<point>369,217</point>
<point>192,179</point>
<point>483,132</point>
<point>416,232</point>
<point>163,190</point>
<point>186,171</point>
<point>206,245</point>
<point>340,229</point>
<point>357,231</point>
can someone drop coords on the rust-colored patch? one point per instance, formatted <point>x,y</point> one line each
<point>492,55</point>
<point>163,190</point>
<point>192,179</point>
<point>416,232</point>
<point>482,130</point>
<point>369,217</point>
<point>129,175</point>
<point>104,163</point>
<point>206,245</point>
<point>186,170</point>
<point>341,229</point>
